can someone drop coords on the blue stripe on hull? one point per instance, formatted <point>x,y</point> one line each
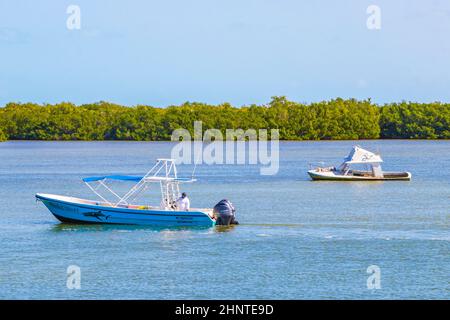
<point>83,213</point>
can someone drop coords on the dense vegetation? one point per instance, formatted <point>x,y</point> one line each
<point>335,119</point>
<point>415,121</point>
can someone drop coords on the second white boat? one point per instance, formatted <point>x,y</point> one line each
<point>346,172</point>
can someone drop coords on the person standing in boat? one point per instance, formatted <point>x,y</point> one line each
<point>183,203</point>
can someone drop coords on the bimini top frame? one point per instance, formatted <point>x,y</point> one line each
<point>163,172</point>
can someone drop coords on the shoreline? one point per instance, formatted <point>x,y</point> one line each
<point>280,141</point>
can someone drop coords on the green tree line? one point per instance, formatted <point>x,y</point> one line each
<point>336,119</point>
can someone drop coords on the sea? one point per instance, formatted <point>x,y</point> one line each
<point>297,238</point>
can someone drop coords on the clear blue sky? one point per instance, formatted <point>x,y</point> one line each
<point>237,51</point>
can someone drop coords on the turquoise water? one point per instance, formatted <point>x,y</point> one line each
<point>298,239</point>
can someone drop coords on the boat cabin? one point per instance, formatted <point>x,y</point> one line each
<point>357,157</point>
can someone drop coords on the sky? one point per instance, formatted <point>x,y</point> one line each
<point>164,53</point>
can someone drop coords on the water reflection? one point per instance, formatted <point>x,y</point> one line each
<point>71,227</point>
<point>224,228</point>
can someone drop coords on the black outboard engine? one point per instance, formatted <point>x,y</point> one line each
<point>225,213</point>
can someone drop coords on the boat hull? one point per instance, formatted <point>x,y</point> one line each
<point>332,176</point>
<point>72,210</point>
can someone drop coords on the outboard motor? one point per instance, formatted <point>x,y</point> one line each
<point>225,213</point>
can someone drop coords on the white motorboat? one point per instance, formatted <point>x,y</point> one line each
<point>123,211</point>
<point>357,157</point>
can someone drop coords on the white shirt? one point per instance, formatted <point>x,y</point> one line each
<point>183,204</point>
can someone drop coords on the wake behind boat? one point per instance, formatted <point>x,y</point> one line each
<point>122,211</point>
<point>346,172</point>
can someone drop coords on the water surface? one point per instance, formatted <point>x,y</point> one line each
<point>298,239</point>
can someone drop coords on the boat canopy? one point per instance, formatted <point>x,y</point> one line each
<point>164,173</point>
<point>360,155</point>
